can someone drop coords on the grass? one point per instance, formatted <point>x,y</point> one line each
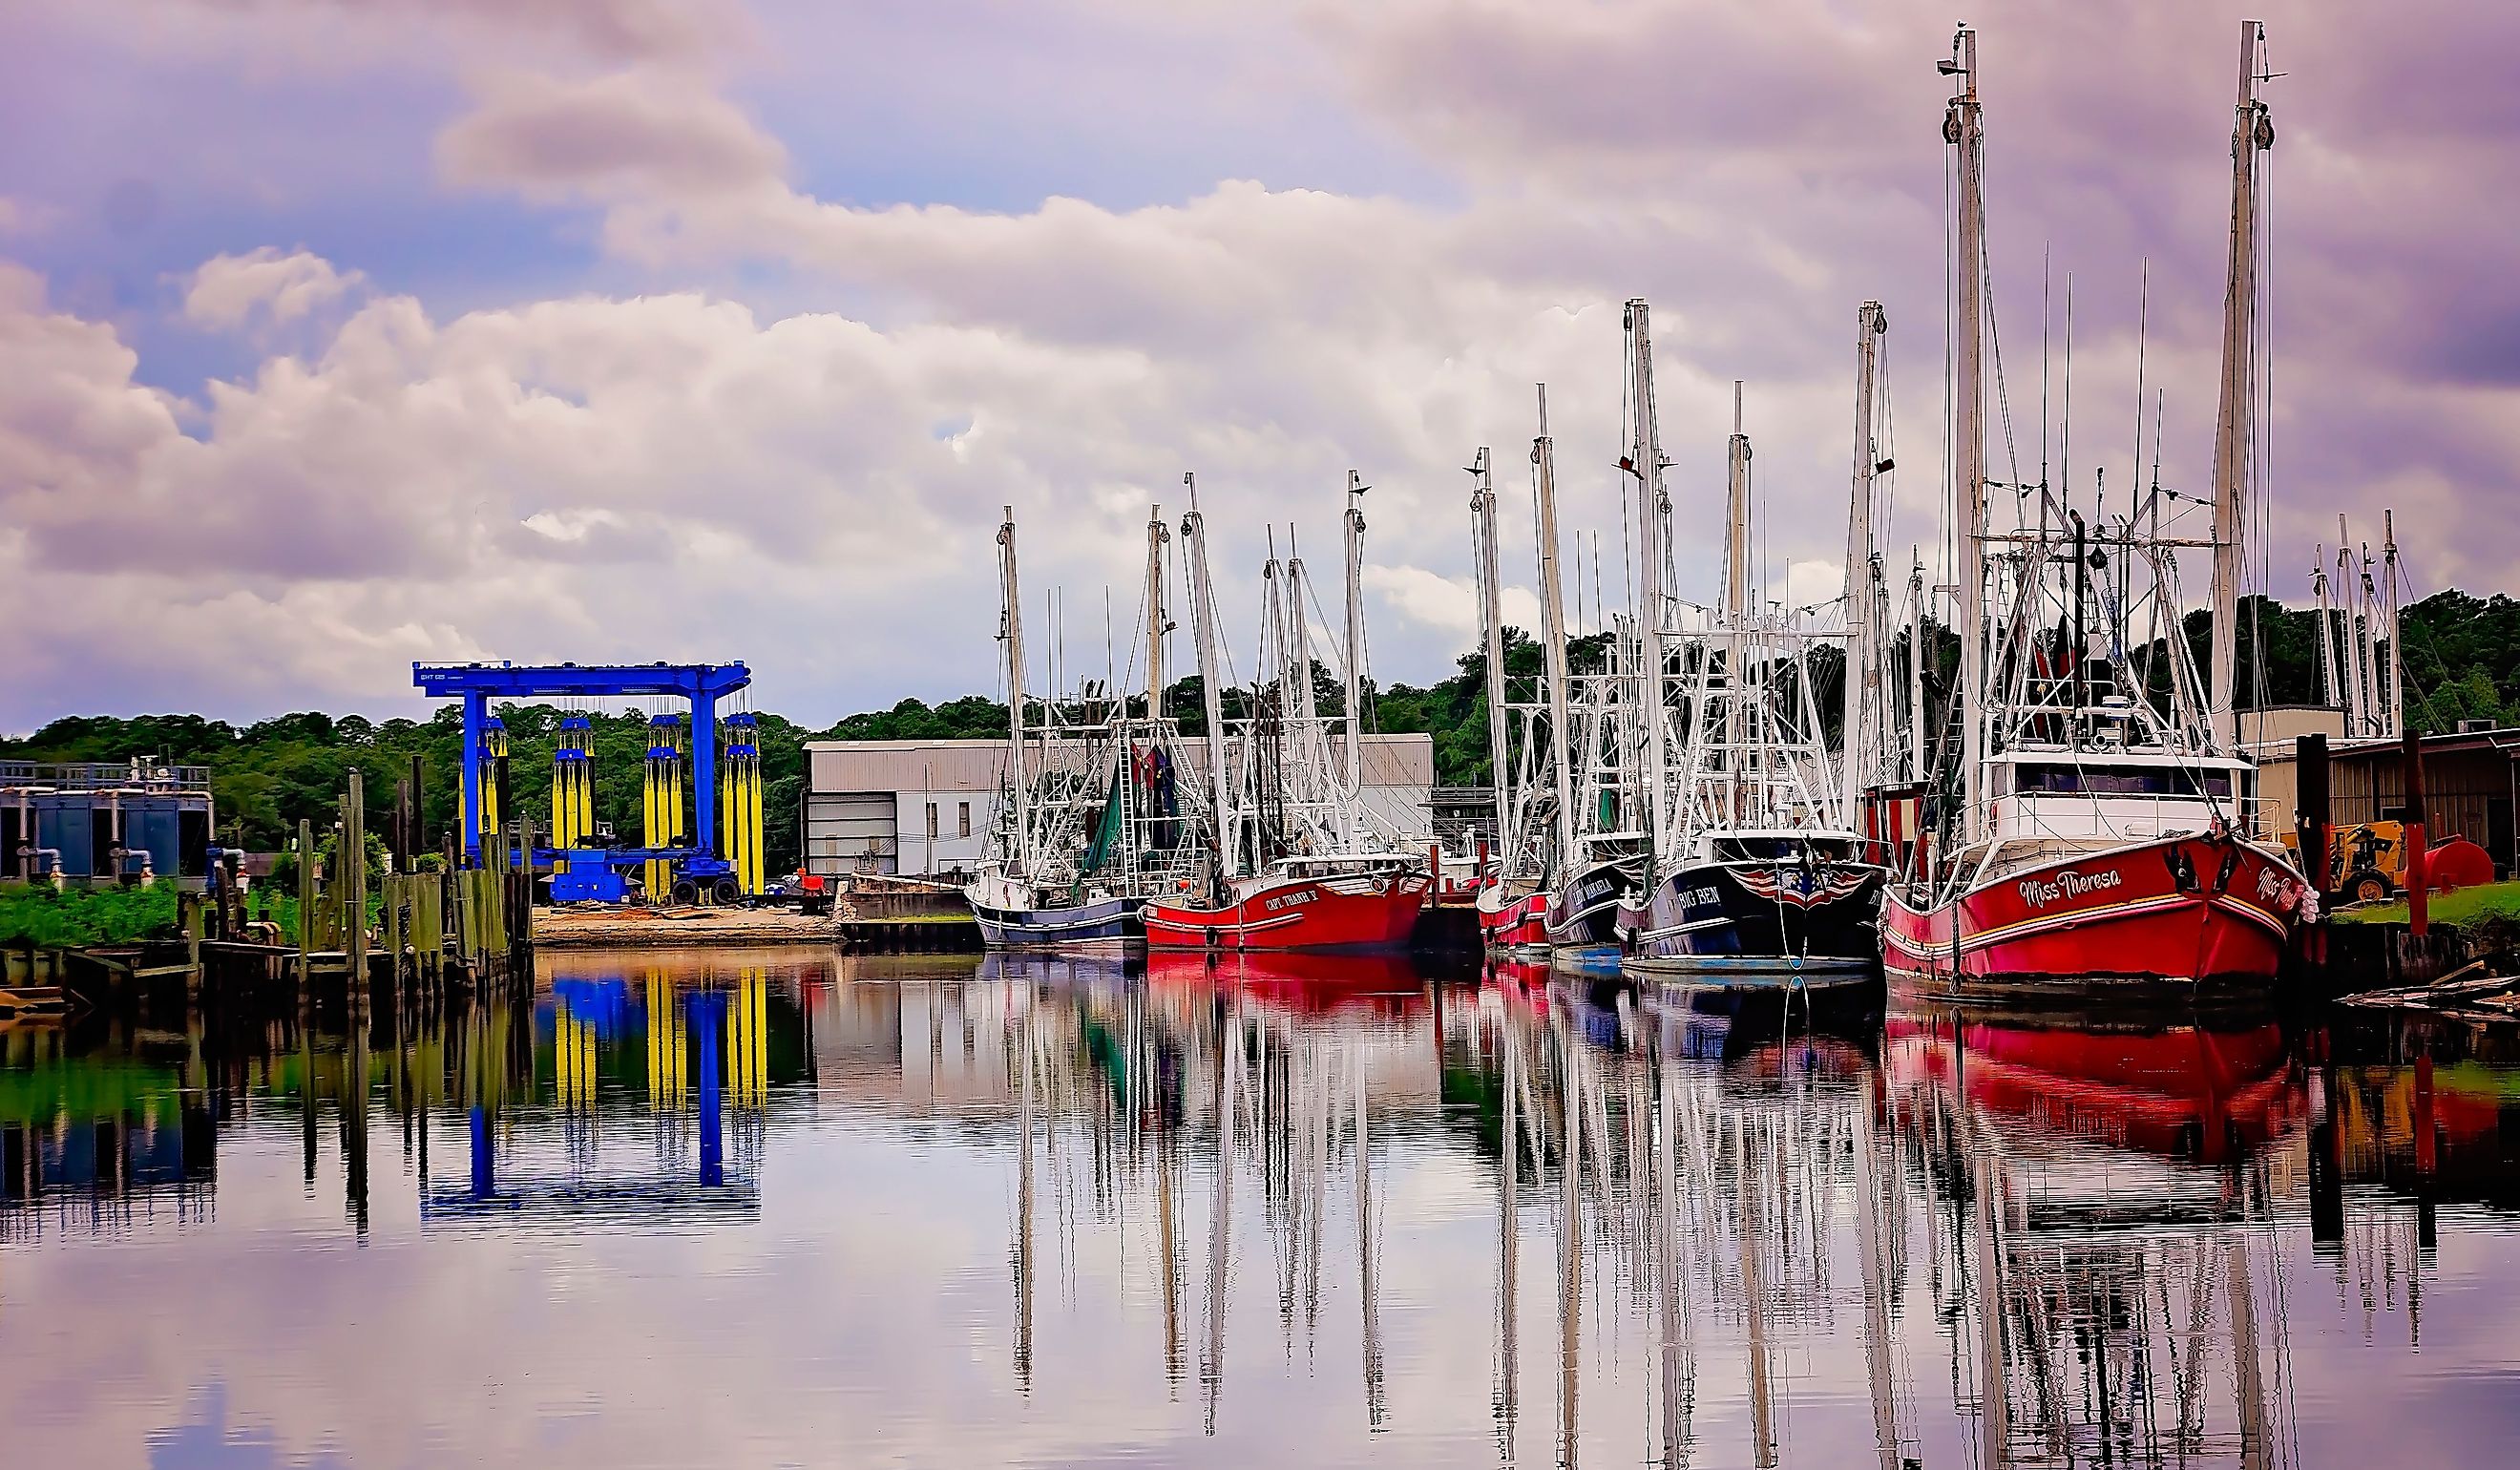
<point>86,915</point>
<point>77,918</point>
<point>2487,902</point>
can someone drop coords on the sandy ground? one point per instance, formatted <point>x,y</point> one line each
<point>609,928</point>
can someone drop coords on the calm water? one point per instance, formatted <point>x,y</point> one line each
<point>758,1209</point>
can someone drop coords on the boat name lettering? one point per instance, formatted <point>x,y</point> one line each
<point>2068,883</point>
<point>1289,900</point>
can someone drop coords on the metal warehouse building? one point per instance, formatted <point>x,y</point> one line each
<point>919,806</point>
<point>2471,786</point>
<point>104,822</point>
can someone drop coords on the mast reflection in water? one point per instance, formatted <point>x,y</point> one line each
<point>765,1208</point>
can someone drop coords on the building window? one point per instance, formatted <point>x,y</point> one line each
<point>932,822</point>
<point>966,819</point>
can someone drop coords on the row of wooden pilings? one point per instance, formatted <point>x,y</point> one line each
<point>410,934</point>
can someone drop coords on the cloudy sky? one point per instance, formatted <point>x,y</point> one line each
<point>339,334</point>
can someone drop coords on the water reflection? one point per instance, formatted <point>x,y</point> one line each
<point>1249,1210</point>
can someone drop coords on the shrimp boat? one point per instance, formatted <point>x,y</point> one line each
<point>1762,880</point>
<point>1599,863</point>
<point>1299,862</point>
<point>2099,841</point>
<point>1094,818</point>
<point>1512,897</point>
<point>1567,857</point>
<point>1600,857</point>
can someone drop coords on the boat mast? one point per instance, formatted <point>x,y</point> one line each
<point>1862,683</point>
<point>1299,648</point>
<point>1965,128</point>
<point>2331,690</point>
<point>1737,601</point>
<point>2394,682</point>
<point>2375,709</point>
<point>1645,463</point>
<point>2234,424</point>
<point>2350,629</point>
<point>1156,626</point>
<point>1552,611</point>
<point>1229,841</point>
<point>1483,507</point>
<point>1013,633</point>
<point>1917,657</point>
<point>1355,694</point>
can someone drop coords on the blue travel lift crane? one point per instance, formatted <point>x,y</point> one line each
<point>586,872</point>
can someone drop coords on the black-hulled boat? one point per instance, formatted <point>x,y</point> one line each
<point>1749,908</point>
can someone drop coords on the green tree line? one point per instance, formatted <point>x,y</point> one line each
<point>2463,663</point>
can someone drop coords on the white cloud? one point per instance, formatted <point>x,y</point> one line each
<point>496,478</point>
<point>229,291</point>
<point>1446,604</point>
<point>1809,584</point>
<point>644,133</point>
<point>320,36</point>
<point>23,217</point>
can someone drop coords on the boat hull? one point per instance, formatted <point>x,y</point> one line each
<point>1584,913</point>
<point>2177,919</point>
<point>1761,923</point>
<point>1516,924</point>
<point>1107,923</point>
<point>1362,912</point>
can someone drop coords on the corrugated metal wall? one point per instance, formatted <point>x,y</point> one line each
<point>844,828</point>
<point>2467,793</point>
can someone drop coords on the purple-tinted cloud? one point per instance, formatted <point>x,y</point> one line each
<point>744,382</point>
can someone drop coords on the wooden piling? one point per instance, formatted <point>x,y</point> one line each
<point>354,895</point>
<point>305,896</point>
<point>2418,882</point>
<point>2315,808</point>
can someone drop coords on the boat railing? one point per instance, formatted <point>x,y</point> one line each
<point>2115,817</point>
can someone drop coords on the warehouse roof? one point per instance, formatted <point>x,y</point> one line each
<point>1390,760</point>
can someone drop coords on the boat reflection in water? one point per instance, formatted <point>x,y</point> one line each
<point>2117,1186</point>
<point>1260,1210</point>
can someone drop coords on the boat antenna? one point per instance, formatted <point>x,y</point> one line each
<point>2065,421</point>
<point>2044,318</point>
<point>2143,335</point>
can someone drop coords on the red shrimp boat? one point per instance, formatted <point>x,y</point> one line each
<point>1513,921</point>
<point>1355,902</point>
<point>2073,898</point>
<point>2095,843</point>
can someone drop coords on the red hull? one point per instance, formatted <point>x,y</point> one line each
<point>1307,984</point>
<point>1515,923</point>
<point>2193,912</point>
<point>1360,913</point>
<point>2179,1090</point>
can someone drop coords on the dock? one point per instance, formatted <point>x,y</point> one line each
<point>615,927</point>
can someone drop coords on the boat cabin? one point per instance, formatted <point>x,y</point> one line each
<point>1781,844</point>
<point>2115,796</point>
<point>1345,865</point>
